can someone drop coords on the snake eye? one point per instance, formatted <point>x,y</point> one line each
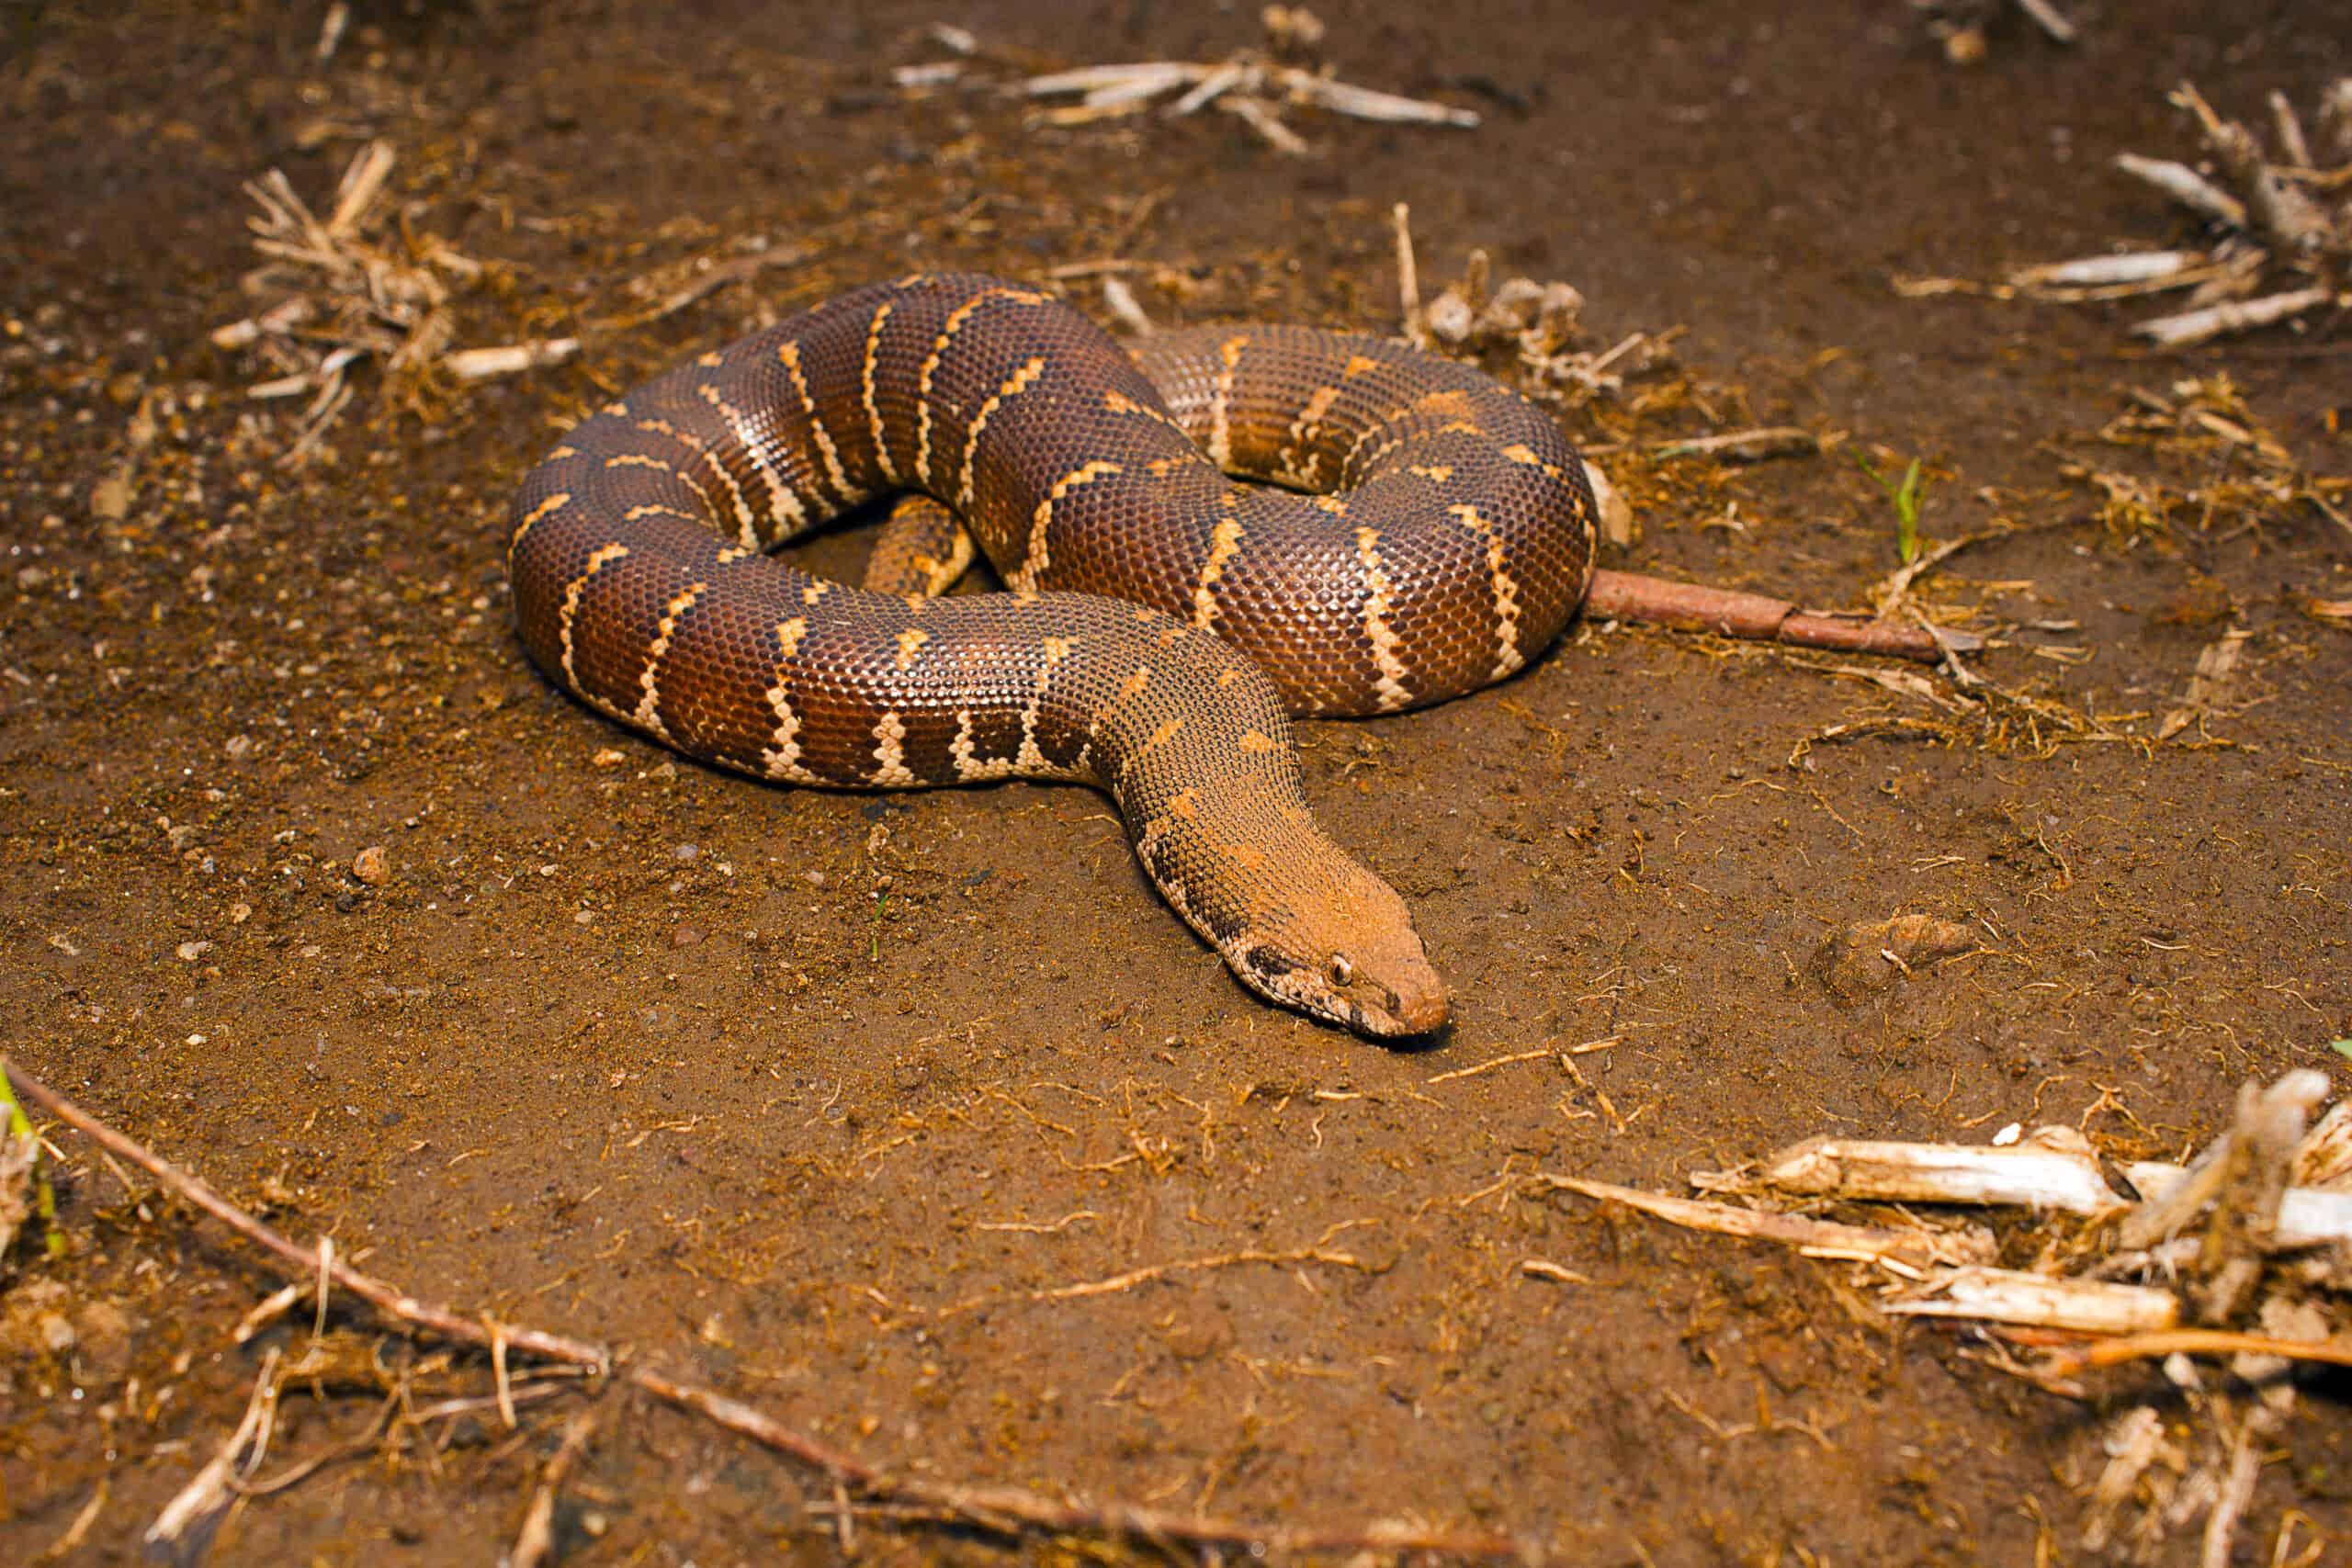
<point>1342,972</point>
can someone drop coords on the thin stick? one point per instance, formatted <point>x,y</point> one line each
<point>1734,446</point>
<point>2195,1342</point>
<point>184,1530</point>
<point>1005,1510</point>
<point>377,1428</point>
<point>64,1545</point>
<point>535,1540</point>
<point>1628,596</point>
<point>2231,316</point>
<point>1488,1065</point>
<point>1408,278</point>
<point>2049,18</point>
<point>301,1259</point>
<point>2187,187</point>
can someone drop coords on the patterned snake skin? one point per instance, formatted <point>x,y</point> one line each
<point>1163,619</point>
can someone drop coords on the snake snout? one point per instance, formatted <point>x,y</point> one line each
<point>1405,995</point>
<point>1425,1011</point>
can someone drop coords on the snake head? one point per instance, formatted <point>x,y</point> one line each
<point>1349,954</point>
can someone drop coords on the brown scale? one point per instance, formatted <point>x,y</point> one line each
<point>639,584</point>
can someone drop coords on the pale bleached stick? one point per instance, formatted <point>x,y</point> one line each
<point>1912,1248</point>
<point>2230,316</point>
<point>2050,19</point>
<point>2054,1169</point>
<point>2290,127</point>
<point>2187,187</point>
<point>1111,86</point>
<point>1209,87</point>
<point>363,182</point>
<point>1161,74</point>
<point>183,1532</point>
<point>1365,103</point>
<point>1260,117</point>
<point>1120,301</point>
<point>2307,1216</point>
<point>2041,1301</point>
<point>2237,1490</point>
<point>1408,278</point>
<point>1740,445</point>
<point>481,364</point>
<point>535,1542</point>
<point>2159,268</point>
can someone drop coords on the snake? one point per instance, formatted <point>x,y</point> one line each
<point>1200,535</point>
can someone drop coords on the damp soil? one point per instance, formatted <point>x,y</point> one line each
<point>826,1099</point>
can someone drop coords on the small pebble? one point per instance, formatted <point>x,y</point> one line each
<point>684,936</point>
<point>372,865</point>
<point>191,952</point>
<point>111,499</point>
<point>689,851</point>
<point>239,747</point>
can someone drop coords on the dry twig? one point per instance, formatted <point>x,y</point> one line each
<point>535,1540</point>
<point>1003,1510</point>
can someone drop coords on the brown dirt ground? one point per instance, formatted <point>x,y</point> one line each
<point>633,1049</point>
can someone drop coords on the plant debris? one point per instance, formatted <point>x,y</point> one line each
<point>336,295</point>
<point>2245,1256</point>
<point>1254,86</point>
<point>2222,470</point>
<point>2273,215</point>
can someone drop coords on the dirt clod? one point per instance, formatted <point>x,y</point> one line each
<point>1872,956</point>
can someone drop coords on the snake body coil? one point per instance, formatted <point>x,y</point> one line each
<point>1163,621</point>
